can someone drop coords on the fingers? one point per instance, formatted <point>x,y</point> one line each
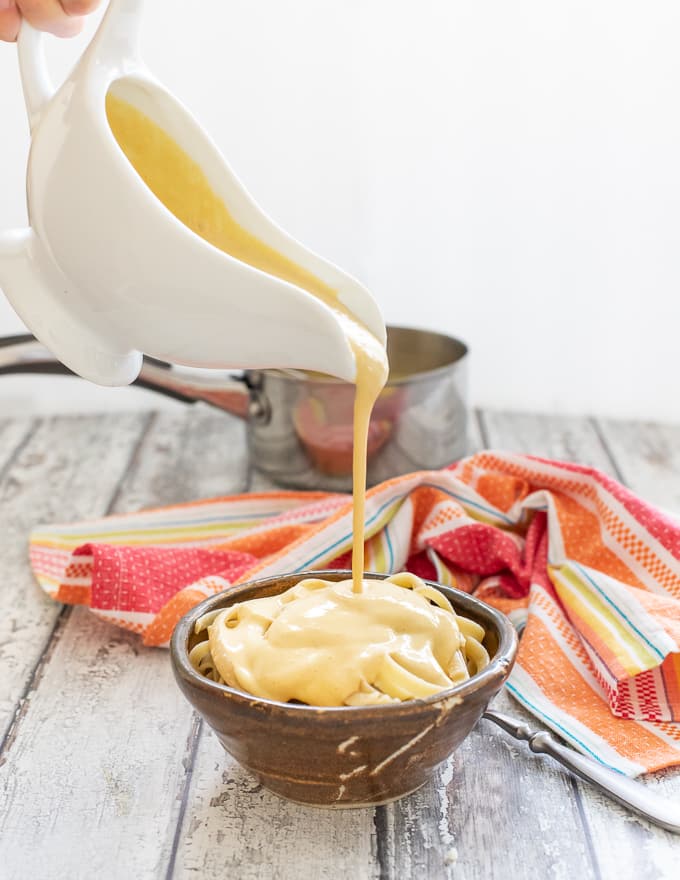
<point>60,17</point>
<point>9,21</point>
<point>78,7</point>
<point>49,15</point>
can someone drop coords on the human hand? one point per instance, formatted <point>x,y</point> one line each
<point>61,17</point>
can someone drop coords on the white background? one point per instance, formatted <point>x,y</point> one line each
<point>508,172</point>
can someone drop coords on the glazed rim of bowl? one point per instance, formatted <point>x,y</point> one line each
<point>499,664</point>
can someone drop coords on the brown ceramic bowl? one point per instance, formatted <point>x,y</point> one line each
<point>347,756</point>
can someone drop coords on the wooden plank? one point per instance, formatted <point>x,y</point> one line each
<point>476,437</point>
<point>14,434</point>
<point>197,452</point>
<point>647,458</point>
<point>564,437</point>
<point>92,777</point>
<point>93,784</point>
<point>66,469</point>
<point>475,809</point>
<point>233,827</point>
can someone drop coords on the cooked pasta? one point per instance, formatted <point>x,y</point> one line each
<point>324,644</point>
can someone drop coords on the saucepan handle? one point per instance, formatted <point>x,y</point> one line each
<point>235,393</point>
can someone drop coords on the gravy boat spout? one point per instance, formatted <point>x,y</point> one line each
<point>107,273</point>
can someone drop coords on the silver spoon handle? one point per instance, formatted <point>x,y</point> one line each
<point>628,792</point>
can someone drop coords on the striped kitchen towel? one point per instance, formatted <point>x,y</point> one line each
<point>592,570</point>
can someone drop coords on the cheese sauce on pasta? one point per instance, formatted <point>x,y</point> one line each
<point>322,644</point>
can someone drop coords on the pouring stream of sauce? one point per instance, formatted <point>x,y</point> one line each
<point>325,644</point>
<point>181,185</point>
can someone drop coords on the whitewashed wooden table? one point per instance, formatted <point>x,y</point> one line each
<point>106,773</point>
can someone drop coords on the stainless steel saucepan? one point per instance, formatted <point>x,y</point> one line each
<point>300,424</point>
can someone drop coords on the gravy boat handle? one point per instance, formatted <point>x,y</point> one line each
<point>625,791</point>
<point>237,393</point>
<point>115,42</point>
<point>35,78</point>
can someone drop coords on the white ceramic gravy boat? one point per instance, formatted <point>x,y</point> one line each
<point>106,273</point>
